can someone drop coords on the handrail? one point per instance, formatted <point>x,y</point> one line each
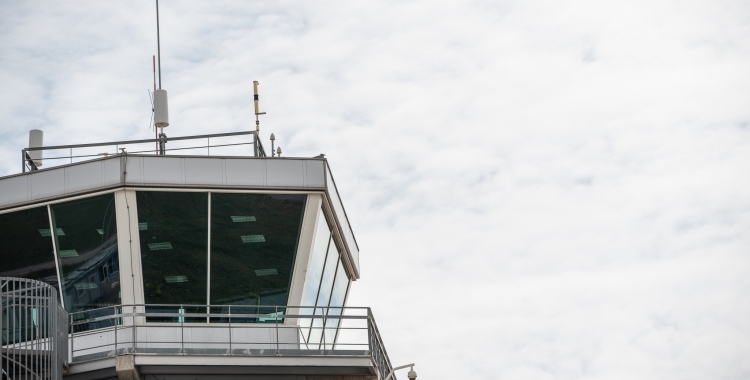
<point>227,330</point>
<point>33,326</point>
<point>258,150</point>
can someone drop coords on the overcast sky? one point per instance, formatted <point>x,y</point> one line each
<point>540,189</point>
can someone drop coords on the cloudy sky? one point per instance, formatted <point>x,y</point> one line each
<point>540,189</point>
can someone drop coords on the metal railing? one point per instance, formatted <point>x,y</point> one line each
<point>34,336</point>
<point>226,330</point>
<point>28,163</point>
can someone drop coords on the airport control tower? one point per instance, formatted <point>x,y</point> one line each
<point>164,265</point>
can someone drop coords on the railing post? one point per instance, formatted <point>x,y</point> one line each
<point>182,332</point>
<point>72,339</point>
<point>114,310</point>
<point>133,326</point>
<point>276,321</point>
<point>230,329</point>
<point>369,332</point>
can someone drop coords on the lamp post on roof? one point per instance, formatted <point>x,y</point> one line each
<point>412,374</point>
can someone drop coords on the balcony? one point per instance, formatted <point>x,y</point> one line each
<point>172,340</point>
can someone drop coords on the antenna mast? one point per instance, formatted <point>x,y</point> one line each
<point>158,42</point>
<point>161,109</point>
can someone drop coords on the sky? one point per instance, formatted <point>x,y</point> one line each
<point>539,189</point>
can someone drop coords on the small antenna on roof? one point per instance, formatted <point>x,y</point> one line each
<point>257,106</point>
<point>161,109</point>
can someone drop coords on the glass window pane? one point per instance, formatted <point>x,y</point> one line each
<point>317,260</point>
<point>26,246</point>
<point>173,229</point>
<point>253,246</point>
<point>324,295</point>
<point>328,275</point>
<point>86,242</point>
<point>315,270</point>
<point>338,296</point>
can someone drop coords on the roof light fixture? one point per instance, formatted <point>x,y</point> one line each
<point>266,272</point>
<point>159,246</point>
<point>175,279</point>
<point>243,219</point>
<point>69,253</point>
<point>253,239</point>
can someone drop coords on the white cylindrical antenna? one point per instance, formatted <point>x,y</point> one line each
<point>278,151</point>
<point>36,140</point>
<point>161,109</point>
<point>257,105</point>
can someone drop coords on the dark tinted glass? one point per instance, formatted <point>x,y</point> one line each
<point>173,229</point>
<point>26,245</point>
<point>253,246</point>
<point>86,242</point>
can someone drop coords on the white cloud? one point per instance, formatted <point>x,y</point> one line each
<point>540,189</point>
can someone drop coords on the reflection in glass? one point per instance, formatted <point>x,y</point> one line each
<point>253,246</point>
<point>26,246</point>
<point>86,242</point>
<point>315,270</point>
<point>173,229</point>
<point>324,295</point>
<point>338,296</point>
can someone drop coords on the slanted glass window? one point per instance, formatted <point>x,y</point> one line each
<point>314,271</point>
<point>338,296</point>
<point>173,230</point>
<point>317,260</point>
<point>86,243</point>
<point>26,246</point>
<point>254,241</point>
<point>324,295</point>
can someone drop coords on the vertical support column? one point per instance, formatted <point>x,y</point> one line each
<point>302,259</point>
<point>129,248</point>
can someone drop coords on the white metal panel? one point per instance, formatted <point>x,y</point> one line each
<point>244,172</point>
<point>284,173</point>
<point>343,221</point>
<point>111,174</point>
<point>134,169</point>
<point>83,176</point>
<point>315,173</point>
<point>162,170</point>
<point>47,183</point>
<point>203,171</point>
<point>14,190</point>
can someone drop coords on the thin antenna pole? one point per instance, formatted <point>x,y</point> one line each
<point>154,72</point>
<point>158,42</point>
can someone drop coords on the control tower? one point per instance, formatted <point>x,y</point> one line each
<point>170,266</point>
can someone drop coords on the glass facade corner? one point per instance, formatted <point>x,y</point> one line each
<point>325,289</point>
